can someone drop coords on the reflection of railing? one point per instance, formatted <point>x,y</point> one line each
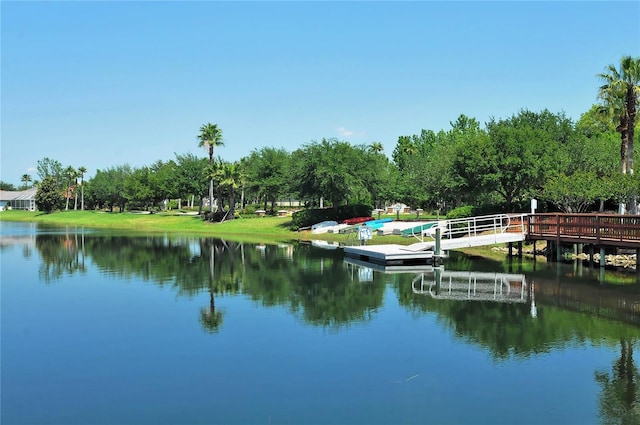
<point>477,286</point>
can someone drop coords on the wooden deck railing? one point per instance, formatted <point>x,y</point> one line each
<point>599,229</point>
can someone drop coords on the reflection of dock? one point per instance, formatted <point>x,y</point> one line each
<point>476,286</point>
<point>439,283</point>
<point>388,269</point>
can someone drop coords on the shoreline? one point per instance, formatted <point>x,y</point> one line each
<point>247,229</point>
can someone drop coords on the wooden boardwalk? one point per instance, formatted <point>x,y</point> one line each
<point>615,230</point>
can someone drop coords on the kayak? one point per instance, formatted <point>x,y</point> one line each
<point>323,224</point>
<point>372,224</point>
<point>357,220</point>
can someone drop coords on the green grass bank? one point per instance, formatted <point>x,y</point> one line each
<point>253,229</point>
<point>248,229</point>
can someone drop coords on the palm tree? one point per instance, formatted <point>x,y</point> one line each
<point>70,175</point>
<point>232,177</point>
<point>613,108</point>
<point>215,172</point>
<point>26,178</point>
<point>210,136</point>
<point>76,174</point>
<point>82,171</point>
<point>376,147</point>
<point>620,93</point>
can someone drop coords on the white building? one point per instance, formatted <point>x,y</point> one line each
<point>18,200</point>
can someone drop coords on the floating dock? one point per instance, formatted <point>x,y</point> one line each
<point>392,254</point>
<point>401,268</point>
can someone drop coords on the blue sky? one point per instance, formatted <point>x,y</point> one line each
<point>100,84</point>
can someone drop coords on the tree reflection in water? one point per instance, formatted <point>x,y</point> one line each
<point>309,282</point>
<point>61,254</point>
<point>222,277</point>
<point>318,287</point>
<point>619,394</point>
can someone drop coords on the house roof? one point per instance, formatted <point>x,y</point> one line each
<point>10,195</point>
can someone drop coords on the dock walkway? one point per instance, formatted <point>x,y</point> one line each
<point>454,234</point>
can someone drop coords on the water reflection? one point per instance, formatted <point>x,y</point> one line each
<point>502,318</point>
<point>313,283</point>
<point>320,285</point>
<point>515,313</point>
<point>619,400</point>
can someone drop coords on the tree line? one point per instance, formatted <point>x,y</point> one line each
<point>499,166</point>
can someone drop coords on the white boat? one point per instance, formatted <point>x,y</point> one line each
<point>317,228</point>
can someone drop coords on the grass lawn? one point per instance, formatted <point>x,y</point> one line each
<point>253,229</point>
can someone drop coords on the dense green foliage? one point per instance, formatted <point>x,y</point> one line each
<point>48,197</point>
<point>461,212</point>
<point>499,167</point>
<point>48,167</point>
<point>107,188</point>
<point>495,167</point>
<point>309,217</point>
<point>6,186</point>
<point>338,172</point>
<point>268,175</point>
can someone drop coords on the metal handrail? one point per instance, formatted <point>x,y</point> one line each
<point>495,223</point>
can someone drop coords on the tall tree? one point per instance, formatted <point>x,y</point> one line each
<point>81,171</point>
<point>619,94</point>
<point>210,136</point>
<point>139,188</point>
<point>266,174</point>
<point>376,147</point>
<point>515,157</point>
<point>70,175</point>
<point>25,179</point>
<point>192,177</point>
<point>217,175</point>
<point>76,174</point>
<point>330,169</point>
<point>232,178</point>
<point>107,188</point>
<point>48,167</point>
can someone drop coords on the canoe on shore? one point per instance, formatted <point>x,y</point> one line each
<point>316,228</point>
<point>373,224</point>
<point>357,220</point>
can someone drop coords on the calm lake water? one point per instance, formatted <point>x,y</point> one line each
<point>99,328</point>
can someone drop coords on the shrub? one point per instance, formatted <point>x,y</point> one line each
<point>250,209</point>
<point>309,217</point>
<point>461,212</point>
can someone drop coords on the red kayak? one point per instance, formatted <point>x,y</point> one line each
<point>357,220</point>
